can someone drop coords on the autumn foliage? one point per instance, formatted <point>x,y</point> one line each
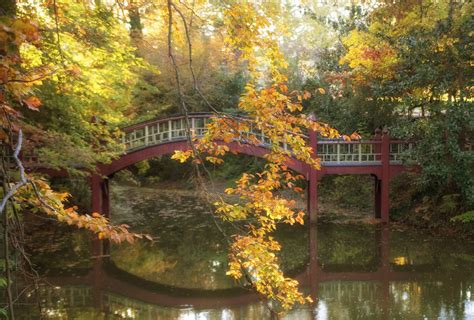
<point>18,81</point>
<point>276,113</point>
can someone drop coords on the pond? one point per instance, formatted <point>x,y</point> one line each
<point>351,271</point>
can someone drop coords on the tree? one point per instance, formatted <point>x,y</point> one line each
<point>26,73</point>
<point>412,61</point>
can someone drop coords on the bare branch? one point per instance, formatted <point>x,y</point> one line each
<point>23,180</point>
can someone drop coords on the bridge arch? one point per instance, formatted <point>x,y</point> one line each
<point>168,148</point>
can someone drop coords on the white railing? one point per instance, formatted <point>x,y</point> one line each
<point>162,131</point>
<point>331,152</point>
<point>337,152</point>
<point>400,152</point>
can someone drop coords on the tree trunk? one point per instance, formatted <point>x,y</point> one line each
<point>136,27</point>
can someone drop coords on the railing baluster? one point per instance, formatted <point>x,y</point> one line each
<point>360,152</point>
<point>146,135</point>
<point>170,130</point>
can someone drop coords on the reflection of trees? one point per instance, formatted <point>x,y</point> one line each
<point>70,302</point>
<point>294,253</point>
<point>56,249</point>
<point>184,259</point>
<point>197,258</point>
<point>337,300</point>
<point>350,300</point>
<point>145,262</point>
<point>189,252</point>
<point>433,300</point>
<point>76,302</point>
<point>347,247</point>
<point>432,254</point>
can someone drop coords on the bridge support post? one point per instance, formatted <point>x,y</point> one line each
<point>385,195</point>
<point>105,209</point>
<point>105,247</point>
<point>313,196</point>
<point>100,204</point>
<point>313,181</point>
<point>100,195</point>
<point>96,193</point>
<point>377,197</point>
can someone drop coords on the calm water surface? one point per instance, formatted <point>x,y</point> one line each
<point>352,272</point>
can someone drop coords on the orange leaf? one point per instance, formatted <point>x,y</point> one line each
<point>355,136</point>
<point>32,103</point>
<point>283,88</point>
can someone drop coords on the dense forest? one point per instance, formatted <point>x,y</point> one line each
<point>73,73</point>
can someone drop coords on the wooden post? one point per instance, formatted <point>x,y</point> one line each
<point>105,246</point>
<point>313,181</point>
<point>313,197</point>
<point>385,195</point>
<point>96,185</point>
<point>96,193</point>
<point>105,208</point>
<point>377,197</point>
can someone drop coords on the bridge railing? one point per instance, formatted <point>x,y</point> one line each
<point>162,131</point>
<point>334,152</point>
<point>331,152</point>
<point>401,151</point>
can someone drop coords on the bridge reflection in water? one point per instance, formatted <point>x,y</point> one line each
<point>390,289</point>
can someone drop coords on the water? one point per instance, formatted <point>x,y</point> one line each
<point>352,272</point>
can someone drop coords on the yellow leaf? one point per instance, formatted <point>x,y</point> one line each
<point>181,156</point>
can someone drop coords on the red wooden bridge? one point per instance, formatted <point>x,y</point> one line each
<point>381,157</point>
